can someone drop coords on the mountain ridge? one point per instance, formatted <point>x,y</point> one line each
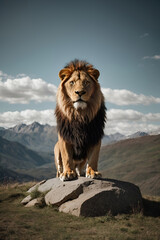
<point>34,136</point>
<point>39,137</point>
<point>135,159</point>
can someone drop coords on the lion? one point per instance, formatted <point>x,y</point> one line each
<point>81,116</point>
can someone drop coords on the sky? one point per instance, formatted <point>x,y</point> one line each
<point>120,38</point>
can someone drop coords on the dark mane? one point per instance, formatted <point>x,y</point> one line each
<point>81,135</point>
<point>79,65</point>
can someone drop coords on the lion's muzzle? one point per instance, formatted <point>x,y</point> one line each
<point>80,104</point>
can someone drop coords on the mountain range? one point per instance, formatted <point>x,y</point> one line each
<point>26,153</point>
<point>42,138</point>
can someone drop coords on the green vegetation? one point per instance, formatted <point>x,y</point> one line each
<point>35,193</point>
<point>18,222</point>
<point>134,160</point>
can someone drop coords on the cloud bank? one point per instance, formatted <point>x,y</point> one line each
<point>10,119</point>
<point>130,121</point>
<point>23,90</point>
<point>123,121</point>
<point>125,97</point>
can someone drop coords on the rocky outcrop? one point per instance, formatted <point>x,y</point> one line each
<point>88,197</point>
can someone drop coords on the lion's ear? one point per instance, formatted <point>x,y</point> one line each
<point>64,74</point>
<point>94,73</point>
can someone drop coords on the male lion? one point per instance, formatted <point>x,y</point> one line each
<point>81,115</point>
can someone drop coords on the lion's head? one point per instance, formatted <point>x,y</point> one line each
<point>79,93</point>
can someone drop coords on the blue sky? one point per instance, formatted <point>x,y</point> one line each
<point>120,38</point>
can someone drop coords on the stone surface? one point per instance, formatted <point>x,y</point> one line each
<point>36,186</point>
<point>105,197</point>
<point>35,202</point>
<point>91,197</point>
<point>26,200</point>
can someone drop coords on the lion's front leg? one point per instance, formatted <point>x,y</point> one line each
<point>69,172</point>
<point>92,166</point>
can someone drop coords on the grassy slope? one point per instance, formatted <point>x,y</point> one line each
<point>18,222</point>
<point>16,158</point>
<point>7,175</point>
<point>14,155</point>
<point>135,160</point>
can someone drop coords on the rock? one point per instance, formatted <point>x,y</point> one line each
<point>65,191</point>
<point>26,200</point>
<point>50,184</point>
<point>91,197</point>
<point>105,197</point>
<point>36,202</point>
<point>36,186</point>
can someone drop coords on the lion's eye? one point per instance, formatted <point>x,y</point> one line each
<point>71,83</point>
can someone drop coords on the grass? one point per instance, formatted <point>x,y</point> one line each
<point>18,222</point>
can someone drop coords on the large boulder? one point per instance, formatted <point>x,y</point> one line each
<point>90,197</point>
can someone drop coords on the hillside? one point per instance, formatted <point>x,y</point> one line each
<point>7,175</point>
<point>27,164</point>
<point>14,155</point>
<point>135,160</point>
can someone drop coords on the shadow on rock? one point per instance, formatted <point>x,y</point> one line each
<point>151,208</point>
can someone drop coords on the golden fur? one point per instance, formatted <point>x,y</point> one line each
<point>80,109</point>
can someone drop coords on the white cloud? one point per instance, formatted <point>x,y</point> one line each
<point>23,89</point>
<point>128,128</point>
<point>130,121</point>
<point>123,97</point>
<point>144,35</point>
<point>122,121</point>
<point>131,115</point>
<point>155,57</point>
<point>10,119</point>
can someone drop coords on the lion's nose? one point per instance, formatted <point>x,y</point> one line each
<point>80,93</point>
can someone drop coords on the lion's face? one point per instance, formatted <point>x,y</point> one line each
<point>79,88</point>
<point>79,95</point>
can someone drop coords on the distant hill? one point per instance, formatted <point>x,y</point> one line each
<point>136,160</point>
<point>107,139</point>
<point>112,138</point>
<point>34,136</point>
<point>27,164</point>
<point>14,155</point>
<point>7,175</point>
<point>138,134</point>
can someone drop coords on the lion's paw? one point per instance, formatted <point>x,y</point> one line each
<point>68,175</point>
<point>93,174</point>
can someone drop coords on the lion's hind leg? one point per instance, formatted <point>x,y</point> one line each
<point>80,168</point>
<point>58,160</point>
